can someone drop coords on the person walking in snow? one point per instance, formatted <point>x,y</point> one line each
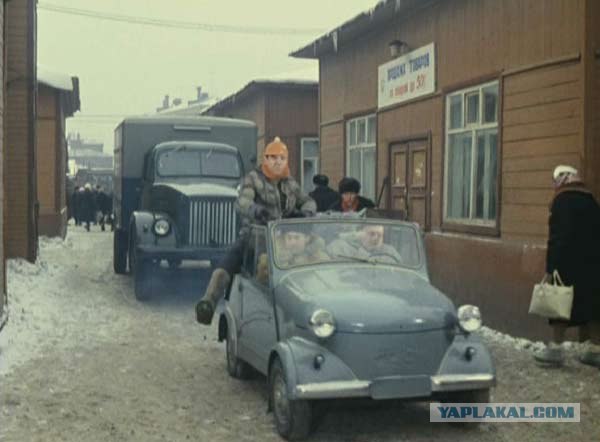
<point>267,193</point>
<point>574,251</point>
<point>87,206</point>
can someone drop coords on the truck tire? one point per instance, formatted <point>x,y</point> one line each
<point>119,253</point>
<point>141,270</point>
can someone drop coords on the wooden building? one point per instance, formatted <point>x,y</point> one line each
<point>58,98</point>
<point>20,188</point>
<point>283,108</point>
<point>3,299</point>
<point>467,106</point>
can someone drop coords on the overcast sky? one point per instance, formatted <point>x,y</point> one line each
<point>126,68</point>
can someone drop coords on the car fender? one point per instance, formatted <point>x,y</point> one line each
<point>297,355</point>
<point>455,360</point>
<point>142,223</point>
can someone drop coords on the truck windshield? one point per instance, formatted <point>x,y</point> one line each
<point>184,162</point>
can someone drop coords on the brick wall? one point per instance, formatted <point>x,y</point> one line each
<point>20,232</point>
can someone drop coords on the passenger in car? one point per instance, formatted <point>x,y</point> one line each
<point>295,247</point>
<point>366,243</point>
<point>267,193</point>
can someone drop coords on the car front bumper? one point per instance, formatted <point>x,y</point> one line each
<point>395,387</point>
<point>179,253</point>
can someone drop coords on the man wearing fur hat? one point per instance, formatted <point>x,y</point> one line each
<point>350,200</point>
<point>323,195</point>
<point>267,193</point>
<point>574,251</point>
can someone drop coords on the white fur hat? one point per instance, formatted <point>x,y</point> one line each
<point>564,170</point>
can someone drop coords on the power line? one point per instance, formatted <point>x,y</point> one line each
<point>179,24</point>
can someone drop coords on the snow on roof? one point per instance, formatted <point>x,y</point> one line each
<point>305,76</point>
<point>57,80</point>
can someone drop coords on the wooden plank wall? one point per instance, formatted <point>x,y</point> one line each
<point>592,104</point>
<point>542,127</point>
<point>20,233</point>
<point>332,153</point>
<point>2,150</point>
<point>46,154</point>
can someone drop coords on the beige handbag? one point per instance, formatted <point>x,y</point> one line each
<point>552,299</point>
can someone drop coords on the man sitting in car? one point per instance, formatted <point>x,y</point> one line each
<point>298,247</point>
<point>365,244</point>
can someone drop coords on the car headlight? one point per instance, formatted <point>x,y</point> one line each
<point>162,227</point>
<point>322,323</point>
<point>469,318</point>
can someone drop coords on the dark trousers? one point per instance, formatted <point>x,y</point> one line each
<point>232,261</point>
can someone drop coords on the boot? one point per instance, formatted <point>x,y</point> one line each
<point>552,355</point>
<point>590,358</point>
<point>205,309</point>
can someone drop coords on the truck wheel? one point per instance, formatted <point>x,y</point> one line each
<point>119,253</point>
<point>141,272</point>
<point>292,417</point>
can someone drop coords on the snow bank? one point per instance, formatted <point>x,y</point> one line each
<point>523,344</point>
<point>34,304</point>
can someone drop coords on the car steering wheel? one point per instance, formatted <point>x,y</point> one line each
<point>395,258</point>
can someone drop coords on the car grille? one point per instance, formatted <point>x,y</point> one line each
<point>212,223</point>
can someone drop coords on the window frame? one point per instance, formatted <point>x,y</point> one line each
<point>302,157</point>
<point>362,147</point>
<point>472,224</point>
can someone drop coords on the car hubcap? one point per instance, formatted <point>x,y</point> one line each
<point>280,400</point>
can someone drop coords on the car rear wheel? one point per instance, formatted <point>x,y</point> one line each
<point>236,368</point>
<point>292,417</point>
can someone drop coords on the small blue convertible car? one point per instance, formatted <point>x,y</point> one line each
<point>343,308</point>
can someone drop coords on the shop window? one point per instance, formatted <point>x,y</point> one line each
<point>361,157</point>
<point>471,158</point>
<point>309,162</point>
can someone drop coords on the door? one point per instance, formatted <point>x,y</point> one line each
<point>258,332</point>
<point>409,180</point>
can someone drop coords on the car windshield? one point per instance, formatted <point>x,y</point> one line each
<point>366,241</point>
<point>186,162</point>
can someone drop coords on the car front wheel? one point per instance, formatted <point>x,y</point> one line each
<point>292,417</point>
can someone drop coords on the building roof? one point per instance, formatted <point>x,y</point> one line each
<point>64,83</point>
<point>54,79</point>
<point>307,78</point>
<point>375,18</point>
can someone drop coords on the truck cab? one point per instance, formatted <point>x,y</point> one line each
<point>181,203</point>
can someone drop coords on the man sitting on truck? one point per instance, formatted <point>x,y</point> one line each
<point>267,193</point>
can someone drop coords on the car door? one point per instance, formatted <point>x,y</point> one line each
<point>257,328</point>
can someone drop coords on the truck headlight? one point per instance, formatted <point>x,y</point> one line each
<point>469,318</point>
<point>322,323</point>
<point>162,227</point>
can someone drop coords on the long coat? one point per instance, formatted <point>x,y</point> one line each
<point>574,249</point>
<point>87,206</point>
<point>325,197</point>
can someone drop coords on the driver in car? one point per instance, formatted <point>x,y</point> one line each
<point>365,244</point>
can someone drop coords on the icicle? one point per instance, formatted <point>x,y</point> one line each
<point>335,41</point>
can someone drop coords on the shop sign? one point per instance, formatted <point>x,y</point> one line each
<point>406,77</point>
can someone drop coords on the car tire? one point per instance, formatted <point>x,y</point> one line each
<point>236,367</point>
<point>141,274</point>
<point>119,253</point>
<point>293,418</point>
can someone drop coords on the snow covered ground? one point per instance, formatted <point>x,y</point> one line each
<point>82,360</point>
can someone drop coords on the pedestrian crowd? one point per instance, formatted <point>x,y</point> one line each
<point>89,206</point>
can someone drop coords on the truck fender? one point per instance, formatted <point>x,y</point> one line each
<point>141,226</point>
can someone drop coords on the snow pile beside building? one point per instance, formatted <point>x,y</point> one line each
<point>523,344</point>
<point>34,304</point>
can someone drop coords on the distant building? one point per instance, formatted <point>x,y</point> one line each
<point>194,107</point>
<point>87,154</point>
<point>58,98</point>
